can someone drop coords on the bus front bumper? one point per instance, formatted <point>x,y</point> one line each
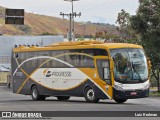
<point>132,94</point>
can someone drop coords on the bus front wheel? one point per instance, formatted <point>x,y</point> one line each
<point>90,96</point>
<point>63,98</point>
<point>120,100</point>
<point>35,94</point>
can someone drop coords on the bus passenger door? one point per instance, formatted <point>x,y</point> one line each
<point>104,69</point>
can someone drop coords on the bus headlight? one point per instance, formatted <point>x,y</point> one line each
<point>146,86</point>
<point>117,87</point>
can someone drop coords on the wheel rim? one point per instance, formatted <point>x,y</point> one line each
<point>35,93</point>
<point>90,94</point>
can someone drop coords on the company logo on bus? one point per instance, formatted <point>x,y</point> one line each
<point>47,73</point>
<point>56,73</point>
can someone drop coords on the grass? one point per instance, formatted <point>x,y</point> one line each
<point>37,24</point>
<point>153,88</point>
<point>154,94</point>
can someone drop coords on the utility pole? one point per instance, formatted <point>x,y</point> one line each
<point>70,29</point>
<point>84,29</point>
<point>70,15</point>
<point>71,18</point>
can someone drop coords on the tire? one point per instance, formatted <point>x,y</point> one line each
<point>120,100</point>
<point>90,95</point>
<point>63,98</point>
<point>35,94</point>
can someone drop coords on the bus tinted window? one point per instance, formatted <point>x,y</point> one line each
<point>100,52</point>
<point>69,56</point>
<point>93,52</point>
<point>80,61</point>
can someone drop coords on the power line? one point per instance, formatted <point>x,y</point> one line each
<point>71,17</point>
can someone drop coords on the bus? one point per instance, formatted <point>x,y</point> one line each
<point>90,69</point>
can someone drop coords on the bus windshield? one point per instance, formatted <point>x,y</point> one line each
<point>130,65</point>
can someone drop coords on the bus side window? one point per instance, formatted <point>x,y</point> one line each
<point>58,64</point>
<point>20,57</point>
<point>52,54</point>
<point>88,62</point>
<point>27,56</point>
<point>74,60</point>
<point>62,58</point>
<point>100,52</point>
<point>80,60</point>
<point>104,70</point>
<point>89,51</point>
<point>16,55</point>
<point>35,61</point>
<point>42,60</point>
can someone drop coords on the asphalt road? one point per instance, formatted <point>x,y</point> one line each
<point>14,102</point>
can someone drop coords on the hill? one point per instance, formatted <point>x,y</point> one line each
<point>35,24</point>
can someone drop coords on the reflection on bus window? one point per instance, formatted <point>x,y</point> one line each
<point>130,65</point>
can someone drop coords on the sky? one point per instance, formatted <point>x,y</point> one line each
<point>104,11</point>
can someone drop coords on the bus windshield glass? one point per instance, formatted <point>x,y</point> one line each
<point>130,65</point>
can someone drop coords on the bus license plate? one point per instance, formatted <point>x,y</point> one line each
<point>133,93</point>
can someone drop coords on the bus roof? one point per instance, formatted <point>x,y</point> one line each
<point>77,45</point>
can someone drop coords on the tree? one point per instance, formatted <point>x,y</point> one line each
<point>123,20</point>
<point>107,37</point>
<point>147,24</point>
<point>127,33</point>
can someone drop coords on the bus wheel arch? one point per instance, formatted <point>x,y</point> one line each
<point>87,86</point>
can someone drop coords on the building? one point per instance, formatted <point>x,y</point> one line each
<point>7,43</point>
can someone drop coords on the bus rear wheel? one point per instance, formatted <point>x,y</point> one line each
<point>90,96</point>
<point>35,94</point>
<point>63,98</point>
<point>120,100</point>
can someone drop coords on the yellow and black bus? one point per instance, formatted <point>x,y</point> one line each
<point>90,69</point>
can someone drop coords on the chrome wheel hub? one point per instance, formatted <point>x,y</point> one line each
<point>90,94</point>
